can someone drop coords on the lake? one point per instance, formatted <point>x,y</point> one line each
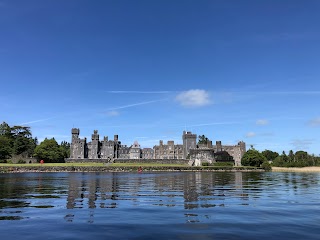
<point>161,205</point>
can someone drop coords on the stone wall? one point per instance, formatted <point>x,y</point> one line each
<point>159,161</point>
<point>86,160</point>
<point>44,168</point>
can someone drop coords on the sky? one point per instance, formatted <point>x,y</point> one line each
<point>148,70</point>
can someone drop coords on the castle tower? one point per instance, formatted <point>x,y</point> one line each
<point>242,149</point>
<point>74,142</point>
<point>94,145</point>
<point>189,142</point>
<point>116,146</point>
<point>77,146</point>
<point>218,146</point>
<point>75,134</point>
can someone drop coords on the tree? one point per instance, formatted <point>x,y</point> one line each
<point>270,155</point>
<point>5,149</point>
<point>253,158</point>
<point>302,158</point>
<point>18,139</point>
<point>21,131</point>
<point>202,139</point>
<point>65,148</point>
<point>291,156</point>
<point>49,151</point>
<point>5,130</point>
<point>282,160</point>
<point>23,144</point>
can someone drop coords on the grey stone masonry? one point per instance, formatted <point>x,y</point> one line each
<point>189,142</point>
<point>107,149</point>
<point>135,151</point>
<point>78,146</point>
<point>112,149</point>
<point>147,153</point>
<point>124,152</point>
<point>168,151</point>
<point>95,148</point>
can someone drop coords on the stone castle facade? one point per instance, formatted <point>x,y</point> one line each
<point>189,149</point>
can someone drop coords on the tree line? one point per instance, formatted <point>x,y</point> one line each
<point>17,142</point>
<point>268,158</point>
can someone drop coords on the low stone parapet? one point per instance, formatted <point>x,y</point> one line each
<point>86,160</point>
<point>158,161</point>
<point>118,160</point>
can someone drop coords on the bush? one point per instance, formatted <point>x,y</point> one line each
<point>3,161</point>
<point>205,164</point>
<point>223,164</point>
<point>21,161</point>
<point>266,166</point>
<point>253,158</point>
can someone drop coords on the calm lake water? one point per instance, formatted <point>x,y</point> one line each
<point>166,205</point>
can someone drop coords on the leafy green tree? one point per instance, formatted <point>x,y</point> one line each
<point>302,158</point>
<point>65,148</point>
<point>298,159</point>
<point>266,166</point>
<point>5,149</point>
<point>291,156</point>
<point>253,158</point>
<point>202,139</point>
<point>49,151</point>
<point>21,131</point>
<point>282,160</point>
<point>270,155</point>
<point>5,130</point>
<point>18,139</point>
<point>23,144</point>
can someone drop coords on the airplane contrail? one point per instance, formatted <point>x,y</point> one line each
<point>141,92</point>
<point>35,121</point>
<point>136,104</point>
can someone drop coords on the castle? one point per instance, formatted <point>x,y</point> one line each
<point>111,150</point>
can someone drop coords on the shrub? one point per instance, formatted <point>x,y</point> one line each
<point>223,164</point>
<point>253,158</point>
<point>266,166</point>
<point>21,161</point>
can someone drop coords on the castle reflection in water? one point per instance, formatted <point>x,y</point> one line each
<point>184,190</point>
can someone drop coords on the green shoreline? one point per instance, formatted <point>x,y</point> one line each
<point>121,168</point>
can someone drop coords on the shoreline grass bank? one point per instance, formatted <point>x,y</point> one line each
<point>295,169</point>
<point>116,167</point>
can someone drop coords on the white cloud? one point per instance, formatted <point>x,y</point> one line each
<point>250,134</point>
<point>193,98</point>
<point>262,122</point>
<point>315,122</point>
<point>113,113</point>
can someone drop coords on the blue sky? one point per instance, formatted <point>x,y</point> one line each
<point>147,70</point>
